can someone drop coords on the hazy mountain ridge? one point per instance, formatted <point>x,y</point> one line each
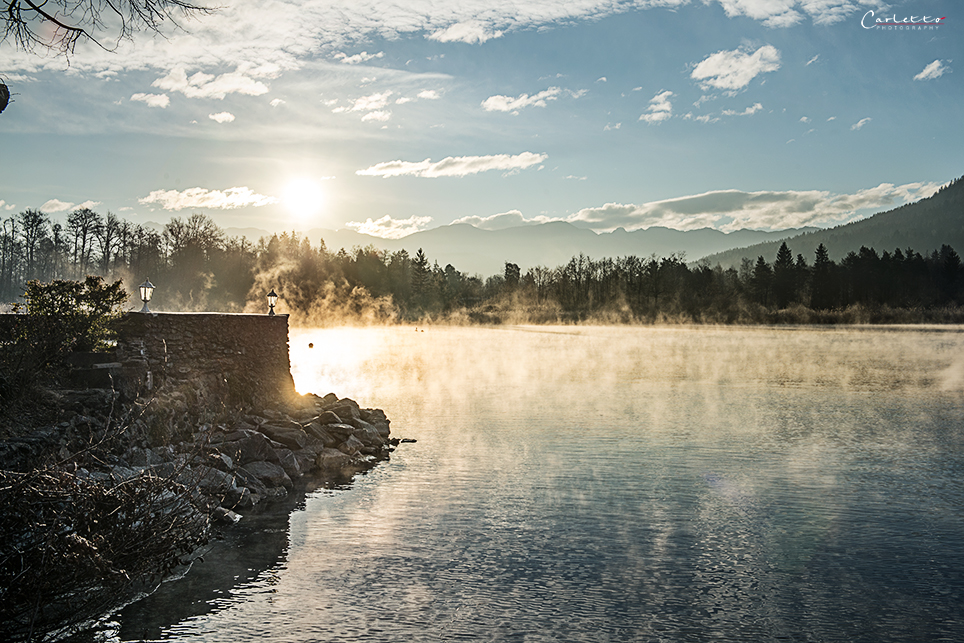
<point>923,225</point>
<point>472,250</point>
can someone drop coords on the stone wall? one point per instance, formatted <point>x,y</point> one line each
<point>240,360</point>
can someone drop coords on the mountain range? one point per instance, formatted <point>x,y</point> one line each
<point>475,251</point>
<point>924,226</point>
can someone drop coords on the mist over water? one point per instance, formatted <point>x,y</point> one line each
<point>628,484</point>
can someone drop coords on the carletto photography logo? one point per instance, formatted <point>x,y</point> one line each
<point>894,22</point>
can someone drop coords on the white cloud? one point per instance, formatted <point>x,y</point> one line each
<point>389,228</point>
<point>813,60</point>
<point>153,100</point>
<point>500,103</point>
<point>934,70</point>
<point>429,94</point>
<point>377,115</point>
<point>358,58</point>
<point>222,117</point>
<point>470,32</point>
<point>860,123</point>
<point>201,85</point>
<point>56,205</point>
<point>773,13</point>
<point>454,166</point>
<point>733,70</point>
<point>804,119</point>
<point>660,109</point>
<point>6,206</point>
<point>609,127</point>
<point>367,103</point>
<point>729,210</point>
<point>229,199</point>
<point>602,79</point>
<point>749,111</point>
<point>501,221</point>
<point>276,102</point>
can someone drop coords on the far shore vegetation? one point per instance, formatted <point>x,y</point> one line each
<point>198,268</point>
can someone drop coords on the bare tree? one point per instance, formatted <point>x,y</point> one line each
<point>58,25</point>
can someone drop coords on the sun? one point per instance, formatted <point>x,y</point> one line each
<point>304,198</point>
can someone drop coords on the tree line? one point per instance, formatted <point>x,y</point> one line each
<point>196,266</point>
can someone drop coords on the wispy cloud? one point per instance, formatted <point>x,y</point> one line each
<point>859,124</point>
<point>934,70</point>
<point>749,111</point>
<point>56,205</point>
<point>153,100</point>
<point>357,58</point>
<point>660,109</point>
<point>733,70</point>
<point>371,102</point>
<point>729,210</point>
<point>222,117</point>
<point>389,228</point>
<point>501,103</point>
<point>454,165</point>
<point>229,199</point>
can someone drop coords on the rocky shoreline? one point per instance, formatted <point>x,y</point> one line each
<point>181,466</point>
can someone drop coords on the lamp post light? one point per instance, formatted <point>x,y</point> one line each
<point>272,300</point>
<point>147,291</point>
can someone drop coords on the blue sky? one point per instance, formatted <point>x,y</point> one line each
<point>388,117</point>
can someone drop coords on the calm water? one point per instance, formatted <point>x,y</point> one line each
<point>613,484</point>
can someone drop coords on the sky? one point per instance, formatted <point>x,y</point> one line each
<point>389,117</point>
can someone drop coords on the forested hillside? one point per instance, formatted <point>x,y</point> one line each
<point>924,225</point>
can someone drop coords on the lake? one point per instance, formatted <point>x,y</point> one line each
<point>612,484</point>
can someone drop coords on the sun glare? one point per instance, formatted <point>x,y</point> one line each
<point>304,198</point>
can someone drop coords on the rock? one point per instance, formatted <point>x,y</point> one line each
<point>328,400</point>
<point>377,418</point>
<point>351,446</point>
<point>319,432</point>
<point>293,436</point>
<point>345,411</point>
<point>366,433</point>
<point>215,482</point>
<point>289,463</point>
<point>221,514</point>
<point>328,417</point>
<point>340,431</point>
<point>306,459</point>
<point>247,480</point>
<point>248,446</point>
<point>271,474</point>
<point>333,460</point>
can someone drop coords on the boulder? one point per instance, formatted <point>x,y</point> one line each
<point>366,433</point>
<point>345,411</point>
<point>319,432</point>
<point>271,474</point>
<point>214,482</point>
<point>351,446</point>
<point>248,446</point>
<point>340,431</point>
<point>328,417</point>
<point>289,463</point>
<point>292,436</point>
<point>333,460</point>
